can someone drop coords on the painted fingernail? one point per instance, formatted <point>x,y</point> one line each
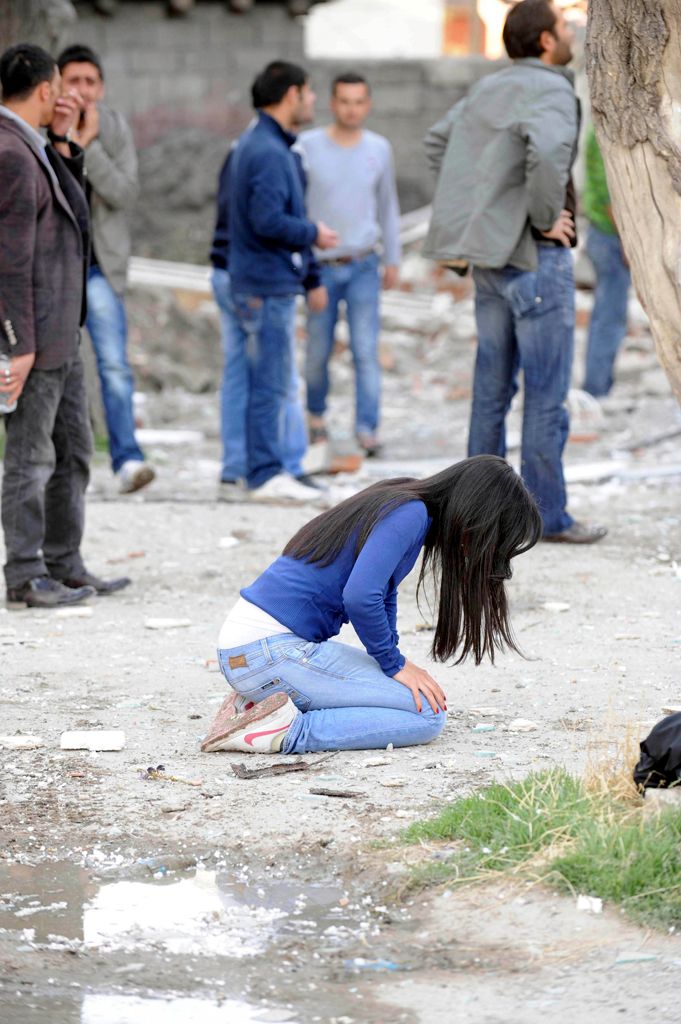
<point>437,711</point>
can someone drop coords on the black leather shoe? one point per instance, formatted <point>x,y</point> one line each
<point>578,533</point>
<point>101,587</point>
<point>44,592</point>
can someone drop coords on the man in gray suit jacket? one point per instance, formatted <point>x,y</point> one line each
<point>111,189</point>
<point>44,245</point>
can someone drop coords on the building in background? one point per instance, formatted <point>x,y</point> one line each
<point>405,29</point>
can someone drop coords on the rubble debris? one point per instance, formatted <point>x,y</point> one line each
<point>555,606</point>
<point>75,612</point>
<point>20,742</point>
<point>227,542</point>
<point>342,793</point>
<point>393,783</point>
<point>591,904</point>
<point>483,727</point>
<point>101,739</point>
<point>283,768</point>
<point>359,963</point>
<point>522,725</point>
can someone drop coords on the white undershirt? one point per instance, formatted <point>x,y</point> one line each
<point>247,623</point>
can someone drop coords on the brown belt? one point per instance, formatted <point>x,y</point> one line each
<point>342,261</point>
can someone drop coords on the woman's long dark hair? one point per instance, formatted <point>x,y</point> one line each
<point>482,517</point>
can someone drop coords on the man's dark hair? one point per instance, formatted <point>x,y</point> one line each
<point>524,25</point>
<point>23,68</point>
<point>272,84</point>
<point>349,78</point>
<point>78,53</point>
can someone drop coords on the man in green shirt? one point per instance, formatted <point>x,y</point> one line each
<point>608,325</point>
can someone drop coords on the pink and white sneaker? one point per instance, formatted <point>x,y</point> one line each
<point>259,730</point>
<point>232,706</point>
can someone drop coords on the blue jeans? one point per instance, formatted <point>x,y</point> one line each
<point>264,330</point>
<point>234,394</point>
<point>608,325</point>
<point>359,284</point>
<point>344,700</point>
<point>108,328</point>
<point>525,321</point>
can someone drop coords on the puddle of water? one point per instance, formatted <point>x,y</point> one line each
<point>207,914</point>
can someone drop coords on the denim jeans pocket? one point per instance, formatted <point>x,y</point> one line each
<point>523,294</point>
<point>277,684</point>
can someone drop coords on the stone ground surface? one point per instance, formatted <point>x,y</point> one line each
<point>600,629</point>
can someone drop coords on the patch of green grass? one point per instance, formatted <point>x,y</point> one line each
<point>552,827</point>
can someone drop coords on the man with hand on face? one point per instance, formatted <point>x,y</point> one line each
<point>505,203</point>
<point>44,248</point>
<point>270,239</point>
<point>111,188</point>
<point>351,184</point>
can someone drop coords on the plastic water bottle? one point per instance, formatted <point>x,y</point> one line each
<point>5,405</point>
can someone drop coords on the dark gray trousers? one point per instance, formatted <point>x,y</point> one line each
<point>46,472</point>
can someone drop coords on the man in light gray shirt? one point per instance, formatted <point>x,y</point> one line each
<point>351,186</point>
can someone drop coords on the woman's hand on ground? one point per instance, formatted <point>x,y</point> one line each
<point>421,682</point>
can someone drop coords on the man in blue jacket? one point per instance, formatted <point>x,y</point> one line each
<point>269,260</point>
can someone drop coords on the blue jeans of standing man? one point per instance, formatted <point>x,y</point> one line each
<point>608,326</point>
<point>108,328</point>
<point>265,329</point>
<point>359,284</point>
<point>234,394</point>
<point>345,701</point>
<point>525,321</point>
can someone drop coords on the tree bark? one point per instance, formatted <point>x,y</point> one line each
<point>34,21</point>
<point>633,58</point>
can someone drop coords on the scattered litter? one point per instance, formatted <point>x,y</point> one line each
<point>76,612</point>
<point>212,664</point>
<point>627,636</point>
<point>522,725</point>
<point>358,963</point>
<point>424,627</point>
<point>483,727</point>
<point>485,712</point>
<point>390,747</point>
<point>174,805</point>
<point>486,753</point>
<point>342,793</point>
<point>159,774</point>
<point>592,904</point>
<point>661,799</point>
<point>635,958</point>
<point>555,606</point>
<point>283,768</point>
<point>169,863</point>
<point>93,740</point>
<point>377,762</point>
<point>393,783</point>
<point>227,542</point>
<point>166,623</point>
<point>21,742</point>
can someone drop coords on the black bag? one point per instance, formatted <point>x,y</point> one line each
<point>660,762</point>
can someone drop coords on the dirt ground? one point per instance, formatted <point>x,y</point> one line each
<point>293,913</point>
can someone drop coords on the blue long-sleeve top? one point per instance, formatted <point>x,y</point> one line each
<point>219,253</point>
<point>314,601</point>
<point>270,234</point>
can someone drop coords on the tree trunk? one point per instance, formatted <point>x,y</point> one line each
<point>34,21</point>
<point>633,59</point>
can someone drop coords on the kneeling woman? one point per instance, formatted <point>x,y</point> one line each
<point>295,689</point>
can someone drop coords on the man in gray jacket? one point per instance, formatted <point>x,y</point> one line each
<point>44,245</point>
<point>111,189</point>
<point>505,204</point>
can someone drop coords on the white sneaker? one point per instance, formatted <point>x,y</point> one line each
<point>286,489</point>
<point>261,730</point>
<point>133,475</point>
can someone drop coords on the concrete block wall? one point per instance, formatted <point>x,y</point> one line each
<point>184,85</point>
